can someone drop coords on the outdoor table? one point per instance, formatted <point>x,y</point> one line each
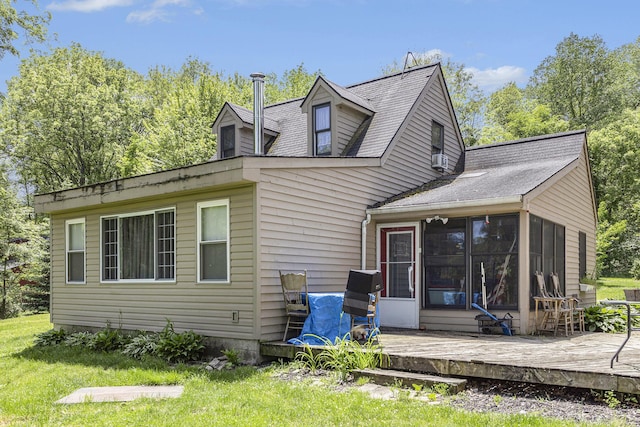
<point>630,329</point>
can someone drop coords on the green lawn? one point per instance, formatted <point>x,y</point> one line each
<point>613,287</point>
<point>33,378</point>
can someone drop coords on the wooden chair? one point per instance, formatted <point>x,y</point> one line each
<point>369,320</point>
<point>554,310</point>
<point>295,289</point>
<point>577,312</point>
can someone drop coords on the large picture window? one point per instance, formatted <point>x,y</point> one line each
<point>494,251</point>
<point>75,249</point>
<point>139,246</point>
<point>445,264</point>
<point>213,241</point>
<point>322,130</point>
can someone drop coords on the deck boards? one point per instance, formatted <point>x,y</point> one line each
<point>580,360</point>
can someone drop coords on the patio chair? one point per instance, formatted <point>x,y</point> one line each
<point>369,320</point>
<point>295,289</point>
<point>577,312</point>
<point>554,310</point>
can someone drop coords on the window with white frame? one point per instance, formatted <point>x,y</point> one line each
<point>139,246</point>
<point>322,130</point>
<point>213,241</point>
<point>75,248</point>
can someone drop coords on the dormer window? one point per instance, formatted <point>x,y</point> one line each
<point>437,138</point>
<point>322,130</point>
<point>227,145</point>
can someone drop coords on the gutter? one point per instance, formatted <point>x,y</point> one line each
<point>446,205</point>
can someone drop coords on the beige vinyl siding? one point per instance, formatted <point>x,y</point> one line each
<point>347,122</point>
<point>460,320</point>
<point>206,308</point>
<point>246,138</point>
<point>409,163</point>
<point>309,220</point>
<point>569,202</point>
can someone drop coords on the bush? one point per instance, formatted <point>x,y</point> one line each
<point>51,337</point>
<point>108,339</point>
<point>80,339</point>
<point>179,347</point>
<point>635,269</point>
<point>598,318</point>
<point>140,345</point>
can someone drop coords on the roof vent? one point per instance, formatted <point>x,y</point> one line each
<point>258,113</point>
<point>439,161</point>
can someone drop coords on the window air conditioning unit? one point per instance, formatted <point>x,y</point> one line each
<point>439,161</point>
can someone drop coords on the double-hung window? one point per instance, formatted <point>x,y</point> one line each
<point>139,246</point>
<point>213,241</point>
<point>75,248</point>
<point>322,130</point>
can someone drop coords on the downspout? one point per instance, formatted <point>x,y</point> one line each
<point>363,261</point>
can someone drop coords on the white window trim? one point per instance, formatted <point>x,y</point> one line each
<point>208,204</point>
<point>155,247</point>
<point>67,223</point>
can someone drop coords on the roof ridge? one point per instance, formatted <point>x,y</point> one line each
<point>409,70</point>
<point>528,139</point>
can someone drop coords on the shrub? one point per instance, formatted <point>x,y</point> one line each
<point>50,337</point>
<point>108,339</point>
<point>142,344</point>
<point>598,318</point>
<point>179,347</point>
<point>80,339</point>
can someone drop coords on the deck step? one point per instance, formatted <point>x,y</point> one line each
<point>408,379</point>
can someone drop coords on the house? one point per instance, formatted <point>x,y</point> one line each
<point>374,175</point>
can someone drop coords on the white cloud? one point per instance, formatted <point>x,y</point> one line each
<point>157,11</point>
<point>88,6</point>
<point>493,78</point>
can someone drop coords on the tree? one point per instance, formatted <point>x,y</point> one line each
<point>13,21</point>
<point>511,115</point>
<point>615,160</point>
<point>21,249</point>
<point>294,83</point>
<point>577,83</point>
<point>68,118</point>
<point>467,99</point>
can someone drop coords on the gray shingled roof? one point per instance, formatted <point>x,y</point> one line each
<point>497,171</point>
<point>390,97</point>
<point>246,116</point>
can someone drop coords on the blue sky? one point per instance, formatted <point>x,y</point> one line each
<point>348,40</point>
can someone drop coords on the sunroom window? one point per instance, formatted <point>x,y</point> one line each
<point>139,246</point>
<point>322,130</point>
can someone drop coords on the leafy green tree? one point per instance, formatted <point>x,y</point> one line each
<point>511,115</point>
<point>615,160</point>
<point>21,249</point>
<point>68,118</point>
<point>577,83</point>
<point>467,98</point>
<point>14,21</point>
<point>294,83</point>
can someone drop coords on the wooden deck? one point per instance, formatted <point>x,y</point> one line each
<point>581,360</point>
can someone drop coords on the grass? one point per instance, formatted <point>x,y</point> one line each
<point>613,287</point>
<point>33,378</point>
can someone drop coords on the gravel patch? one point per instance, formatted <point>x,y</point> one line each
<point>565,403</point>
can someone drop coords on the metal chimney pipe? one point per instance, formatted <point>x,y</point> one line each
<point>258,113</point>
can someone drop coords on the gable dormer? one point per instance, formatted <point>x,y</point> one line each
<point>234,130</point>
<point>334,114</point>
